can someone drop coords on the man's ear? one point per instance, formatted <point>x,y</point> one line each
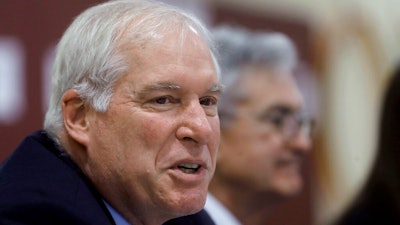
<point>75,117</point>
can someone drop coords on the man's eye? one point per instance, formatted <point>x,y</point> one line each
<point>164,100</point>
<point>275,118</point>
<point>278,120</point>
<point>208,101</point>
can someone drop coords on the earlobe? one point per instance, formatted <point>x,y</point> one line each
<point>75,116</point>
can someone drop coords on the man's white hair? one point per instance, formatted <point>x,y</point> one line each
<point>92,54</point>
<point>238,47</point>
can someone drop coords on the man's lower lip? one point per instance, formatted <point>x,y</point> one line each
<point>198,176</point>
<point>188,170</point>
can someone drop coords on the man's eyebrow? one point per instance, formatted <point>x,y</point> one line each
<point>160,86</point>
<point>219,88</point>
<point>155,87</point>
<point>281,108</point>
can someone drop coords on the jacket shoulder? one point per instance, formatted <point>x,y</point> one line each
<point>39,184</point>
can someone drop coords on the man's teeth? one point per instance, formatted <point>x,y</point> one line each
<point>188,167</point>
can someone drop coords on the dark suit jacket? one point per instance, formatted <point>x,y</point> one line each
<point>200,218</point>
<point>39,184</point>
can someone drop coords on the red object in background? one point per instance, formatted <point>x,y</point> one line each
<point>37,25</point>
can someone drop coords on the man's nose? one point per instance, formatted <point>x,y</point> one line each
<point>195,125</point>
<point>301,141</point>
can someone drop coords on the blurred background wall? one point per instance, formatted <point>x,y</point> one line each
<point>348,48</point>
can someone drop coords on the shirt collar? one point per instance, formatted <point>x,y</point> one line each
<point>118,218</point>
<point>219,213</point>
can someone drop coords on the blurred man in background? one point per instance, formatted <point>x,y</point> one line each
<point>264,132</point>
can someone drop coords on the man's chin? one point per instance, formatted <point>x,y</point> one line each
<point>289,187</point>
<point>188,205</point>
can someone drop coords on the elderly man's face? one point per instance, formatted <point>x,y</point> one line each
<point>154,151</point>
<point>255,155</point>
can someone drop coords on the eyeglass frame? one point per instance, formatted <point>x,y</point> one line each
<point>286,121</point>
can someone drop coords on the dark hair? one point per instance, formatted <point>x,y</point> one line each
<point>379,200</point>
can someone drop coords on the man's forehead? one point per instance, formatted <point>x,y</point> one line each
<point>272,99</point>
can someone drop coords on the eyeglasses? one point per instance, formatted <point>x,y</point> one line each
<point>286,122</point>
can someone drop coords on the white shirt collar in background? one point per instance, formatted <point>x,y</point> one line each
<point>219,213</point>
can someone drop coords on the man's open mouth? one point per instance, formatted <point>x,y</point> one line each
<point>189,167</point>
